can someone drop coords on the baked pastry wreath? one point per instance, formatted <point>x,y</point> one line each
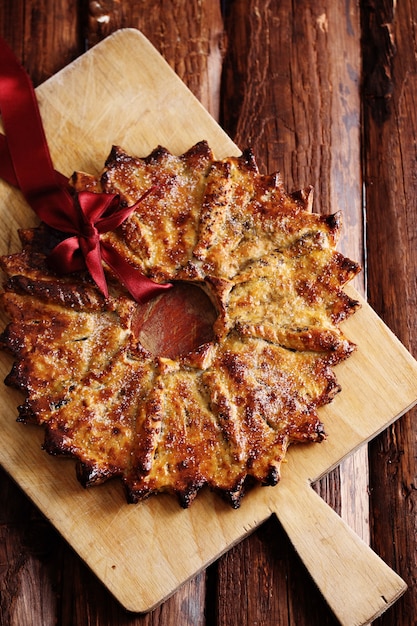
<point>223,414</point>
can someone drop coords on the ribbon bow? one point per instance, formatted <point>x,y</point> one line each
<point>25,162</point>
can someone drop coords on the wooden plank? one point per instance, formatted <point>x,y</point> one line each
<point>296,100</point>
<point>390,122</point>
<point>45,37</point>
<point>267,569</point>
<point>274,102</point>
<point>189,35</point>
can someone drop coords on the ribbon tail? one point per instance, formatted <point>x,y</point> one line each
<point>25,160</point>
<point>8,173</point>
<point>22,122</point>
<point>141,288</point>
<point>92,256</point>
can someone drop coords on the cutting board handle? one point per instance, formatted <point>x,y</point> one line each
<point>356,583</point>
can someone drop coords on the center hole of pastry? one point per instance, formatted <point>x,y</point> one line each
<point>176,322</point>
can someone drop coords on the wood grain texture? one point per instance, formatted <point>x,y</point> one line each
<point>261,567</point>
<point>45,36</point>
<point>390,89</point>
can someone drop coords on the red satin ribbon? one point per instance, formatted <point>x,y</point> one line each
<point>25,162</point>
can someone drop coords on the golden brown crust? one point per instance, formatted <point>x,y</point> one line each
<point>225,413</point>
<point>162,233</point>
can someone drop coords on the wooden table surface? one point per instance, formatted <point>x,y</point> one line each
<point>325,92</point>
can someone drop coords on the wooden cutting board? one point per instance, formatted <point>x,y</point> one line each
<point>123,92</point>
